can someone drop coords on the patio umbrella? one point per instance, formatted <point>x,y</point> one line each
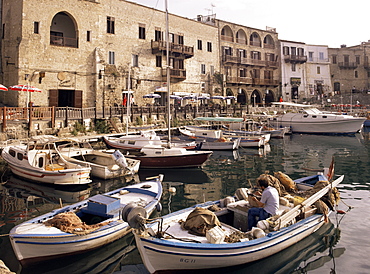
<point>203,97</point>
<point>175,97</point>
<point>24,88</point>
<point>3,88</point>
<point>152,95</point>
<point>230,97</point>
<point>218,97</point>
<point>189,97</point>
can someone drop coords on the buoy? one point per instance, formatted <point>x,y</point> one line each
<point>172,189</point>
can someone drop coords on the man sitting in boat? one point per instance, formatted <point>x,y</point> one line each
<point>267,206</point>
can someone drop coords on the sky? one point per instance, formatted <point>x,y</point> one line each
<point>314,22</point>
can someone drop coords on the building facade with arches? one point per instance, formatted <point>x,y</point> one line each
<point>250,63</point>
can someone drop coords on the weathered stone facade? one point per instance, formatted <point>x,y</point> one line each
<point>82,53</point>
<point>350,68</point>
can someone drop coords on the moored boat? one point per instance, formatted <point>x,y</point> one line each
<point>94,222</point>
<point>170,157</point>
<point>218,248</point>
<point>104,164</point>
<point>311,120</point>
<point>40,161</point>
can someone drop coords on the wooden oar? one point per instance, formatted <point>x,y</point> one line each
<point>294,212</point>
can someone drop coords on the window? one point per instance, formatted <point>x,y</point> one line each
<point>228,51</point>
<point>19,156</point>
<point>293,50</point>
<point>203,69</point>
<point>158,61</point>
<point>141,31</point>
<point>286,50</point>
<point>356,74</point>
<point>334,59</point>
<point>310,56</point>
<point>293,67</point>
<point>111,58</point>
<point>3,33</point>
<point>321,55</point>
<point>158,35</point>
<point>318,70</point>
<point>212,70</point>
<point>256,55</point>
<point>180,39</point>
<point>36,26</point>
<point>88,36</point>
<point>200,45</point>
<point>135,60</point>
<point>110,25</point>
<point>209,46</point>
<point>300,51</point>
<point>357,60</point>
<point>242,53</point>
<point>243,72</point>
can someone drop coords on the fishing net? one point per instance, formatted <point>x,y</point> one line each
<point>69,222</point>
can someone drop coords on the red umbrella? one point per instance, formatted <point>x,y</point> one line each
<point>25,88</point>
<point>3,88</point>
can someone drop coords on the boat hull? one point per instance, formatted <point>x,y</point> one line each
<point>334,124</point>
<point>33,241</point>
<point>196,159</point>
<point>187,256</point>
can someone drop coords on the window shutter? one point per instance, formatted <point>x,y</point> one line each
<point>53,97</point>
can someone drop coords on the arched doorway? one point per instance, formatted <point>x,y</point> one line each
<point>242,97</point>
<point>256,99</point>
<point>269,97</point>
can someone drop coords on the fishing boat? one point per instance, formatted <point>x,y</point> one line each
<point>309,119</point>
<point>170,157</point>
<point>87,224</point>
<point>183,250</point>
<point>135,142</point>
<point>39,160</point>
<point>104,164</point>
<point>220,144</point>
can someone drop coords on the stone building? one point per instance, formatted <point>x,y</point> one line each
<point>305,72</point>
<point>350,69</point>
<point>87,53</point>
<point>250,63</point>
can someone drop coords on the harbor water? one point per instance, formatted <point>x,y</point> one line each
<point>340,246</point>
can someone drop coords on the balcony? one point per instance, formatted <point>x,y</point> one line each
<point>239,80</point>
<point>347,65</point>
<point>295,58</point>
<point>227,38</point>
<point>176,49</point>
<point>268,46</point>
<point>63,41</point>
<point>177,74</point>
<point>272,64</point>
<point>265,82</point>
<point>230,59</point>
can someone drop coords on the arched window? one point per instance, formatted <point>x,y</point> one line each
<point>63,31</point>
<point>255,39</point>
<point>227,34</point>
<point>241,37</point>
<point>268,42</point>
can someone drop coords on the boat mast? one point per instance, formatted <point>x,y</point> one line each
<point>128,99</point>
<point>168,77</point>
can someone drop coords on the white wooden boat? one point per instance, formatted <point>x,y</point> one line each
<point>220,144</point>
<point>201,133</point>
<point>313,121</point>
<point>104,164</point>
<point>135,142</point>
<point>34,241</point>
<point>185,251</point>
<point>40,161</point>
